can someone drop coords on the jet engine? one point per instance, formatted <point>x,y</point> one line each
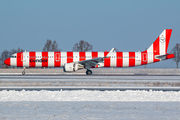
<point>72,67</point>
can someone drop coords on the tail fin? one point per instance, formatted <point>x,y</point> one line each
<point>160,45</point>
<point>158,50</point>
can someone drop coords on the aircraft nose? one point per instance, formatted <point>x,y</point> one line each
<point>7,61</point>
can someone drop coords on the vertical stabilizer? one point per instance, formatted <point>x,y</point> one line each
<point>160,45</point>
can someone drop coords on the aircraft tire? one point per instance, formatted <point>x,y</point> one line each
<point>88,72</point>
<point>23,73</point>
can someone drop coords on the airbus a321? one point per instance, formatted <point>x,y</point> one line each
<point>73,61</point>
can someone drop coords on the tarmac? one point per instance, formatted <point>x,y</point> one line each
<point>96,72</point>
<point>91,88</point>
<point>83,82</point>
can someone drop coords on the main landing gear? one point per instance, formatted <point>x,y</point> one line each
<point>23,73</point>
<point>88,72</point>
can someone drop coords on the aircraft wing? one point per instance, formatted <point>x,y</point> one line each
<point>93,62</point>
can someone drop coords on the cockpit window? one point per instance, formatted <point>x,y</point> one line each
<point>13,57</point>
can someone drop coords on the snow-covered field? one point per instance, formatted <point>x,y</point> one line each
<point>83,104</point>
<point>85,95</point>
<point>89,110</point>
<point>86,105</point>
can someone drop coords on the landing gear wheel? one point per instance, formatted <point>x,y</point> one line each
<point>23,73</point>
<point>88,72</point>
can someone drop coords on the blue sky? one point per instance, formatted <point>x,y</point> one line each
<point>128,25</point>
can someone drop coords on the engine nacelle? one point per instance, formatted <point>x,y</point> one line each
<point>70,67</point>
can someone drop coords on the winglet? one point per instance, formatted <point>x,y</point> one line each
<point>111,51</point>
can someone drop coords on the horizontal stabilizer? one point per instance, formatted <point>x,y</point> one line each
<point>163,57</point>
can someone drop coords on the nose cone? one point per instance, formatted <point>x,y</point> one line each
<point>7,61</point>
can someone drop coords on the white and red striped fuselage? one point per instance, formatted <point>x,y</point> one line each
<point>58,59</point>
<point>73,61</point>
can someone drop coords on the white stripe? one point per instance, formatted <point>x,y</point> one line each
<point>76,56</point>
<point>63,58</point>
<point>125,59</point>
<point>26,59</point>
<point>88,55</point>
<point>38,57</point>
<point>50,59</point>
<point>137,58</point>
<point>162,44</point>
<point>150,54</point>
<point>101,54</point>
<point>113,60</point>
<point>14,60</point>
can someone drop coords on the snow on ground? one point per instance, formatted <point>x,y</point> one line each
<point>85,95</point>
<point>90,110</point>
<point>89,105</point>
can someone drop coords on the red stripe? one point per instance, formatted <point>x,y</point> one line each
<point>156,49</point>
<point>32,59</point>
<point>57,59</point>
<point>82,56</point>
<point>44,59</point>
<point>170,56</point>
<point>119,60</point>
<point>131,59</point>
<point>69,57</point>
<point>94,55</point>
<point>106,60</point>
<point>168,35</point>
<point>19,59</point>
<point>144,57</point>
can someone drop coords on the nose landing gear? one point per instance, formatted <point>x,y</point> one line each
<point>88,72</point>
<point>23,73</point>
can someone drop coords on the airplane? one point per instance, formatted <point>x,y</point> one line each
<point>73,61</point>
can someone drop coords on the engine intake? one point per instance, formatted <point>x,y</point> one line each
<point>70,67</point>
